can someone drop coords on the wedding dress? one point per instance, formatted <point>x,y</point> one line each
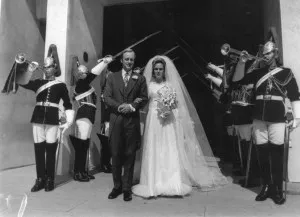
<point>176,154</point>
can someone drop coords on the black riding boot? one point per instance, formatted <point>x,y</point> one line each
<point>79,159</point>
<point>277,173</point>
<point>237,168</point>
<point>263,152</point>
<point>76,147</point>
<point>84,169</point>
<point>253,173</point>
<point>77,144</point>
<point>39,151</point>
<point>50,165</point>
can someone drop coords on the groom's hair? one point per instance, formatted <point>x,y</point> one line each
<point>128,50</point>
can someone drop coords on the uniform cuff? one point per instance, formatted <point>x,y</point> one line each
<point>70,114</point>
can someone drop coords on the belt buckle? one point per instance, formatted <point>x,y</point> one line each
<point>46,103</point>
<point>267,97</point>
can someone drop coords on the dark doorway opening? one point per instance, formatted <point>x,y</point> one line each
<point>200,27</point>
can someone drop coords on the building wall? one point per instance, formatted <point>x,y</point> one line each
<point>290,23</point>
<point>20,32</point>
<point>283,15</point>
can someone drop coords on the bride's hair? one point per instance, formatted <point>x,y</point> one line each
<point>156,61</point>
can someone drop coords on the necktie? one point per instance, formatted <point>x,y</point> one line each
<point>126,79</point>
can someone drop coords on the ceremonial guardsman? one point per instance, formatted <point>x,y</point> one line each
<point>85,96</point>
<point>241,109</point>
<point>240,97</point>
<point>45,119</point>
<point>273,83</point>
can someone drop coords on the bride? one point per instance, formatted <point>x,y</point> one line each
<point>176,153</point>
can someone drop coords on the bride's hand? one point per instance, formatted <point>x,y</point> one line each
<point>138,100</point>
<point>166,114</point>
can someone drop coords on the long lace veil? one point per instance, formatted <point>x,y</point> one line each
<point>196,157</point>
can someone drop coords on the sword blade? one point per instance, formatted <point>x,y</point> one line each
<point>138,42</point>
<point>170,50</point>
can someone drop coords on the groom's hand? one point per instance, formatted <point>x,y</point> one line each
<point>121,107</point>
<point>126,108</point>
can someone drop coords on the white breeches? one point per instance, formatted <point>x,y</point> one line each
<point>84,128</point>
<point>265,132</point>
<point>244,131</point>
<point>44,132</point>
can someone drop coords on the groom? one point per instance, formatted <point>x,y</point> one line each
<point>121,90</point>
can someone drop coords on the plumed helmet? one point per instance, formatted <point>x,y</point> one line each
<point>82,69</point>
<point>269,47</point>
<point>80,72</point>
<point>53,54</point>
<point>48,62</point>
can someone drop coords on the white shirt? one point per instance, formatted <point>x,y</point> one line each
<point>124,72</point>
<point>129,74</point>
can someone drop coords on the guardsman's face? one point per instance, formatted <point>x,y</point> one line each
<point>269,57</point>
<point>128,61</point>
<point>49,71</point>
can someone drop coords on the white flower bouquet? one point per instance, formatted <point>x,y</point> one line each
<point>166,102</point>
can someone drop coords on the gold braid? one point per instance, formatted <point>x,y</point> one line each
<point>280,85</point>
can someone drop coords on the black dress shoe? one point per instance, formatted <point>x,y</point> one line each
<point>86,174</point>
<point>80,177</point>
<point>49,185</point>
<point>127,196</point>
<point>91,176</point>
<point>264,193</point>
<point>39,185</point>
<point>114,193</point>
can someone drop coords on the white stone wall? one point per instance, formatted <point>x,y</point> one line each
<point>284,16</point>
<point>290,23</point>
<point>19,33</point>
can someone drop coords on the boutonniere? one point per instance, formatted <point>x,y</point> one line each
<point>134,77</point>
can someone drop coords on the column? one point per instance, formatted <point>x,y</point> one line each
<point>56,30</point>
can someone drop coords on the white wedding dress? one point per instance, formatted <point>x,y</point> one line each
<point>176,153</point>
<point>160,170</point>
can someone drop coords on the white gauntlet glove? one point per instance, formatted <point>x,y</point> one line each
<point>69,120</point>
<point>215,68</point>
<point>296,113</point>
<point>102,64</point>
<point>215,80</point>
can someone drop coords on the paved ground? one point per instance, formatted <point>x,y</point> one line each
<point>90,199</point>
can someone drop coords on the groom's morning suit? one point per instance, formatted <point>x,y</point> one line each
<point>124,132</point>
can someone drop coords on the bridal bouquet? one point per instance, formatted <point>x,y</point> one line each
<point>166,102</point>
